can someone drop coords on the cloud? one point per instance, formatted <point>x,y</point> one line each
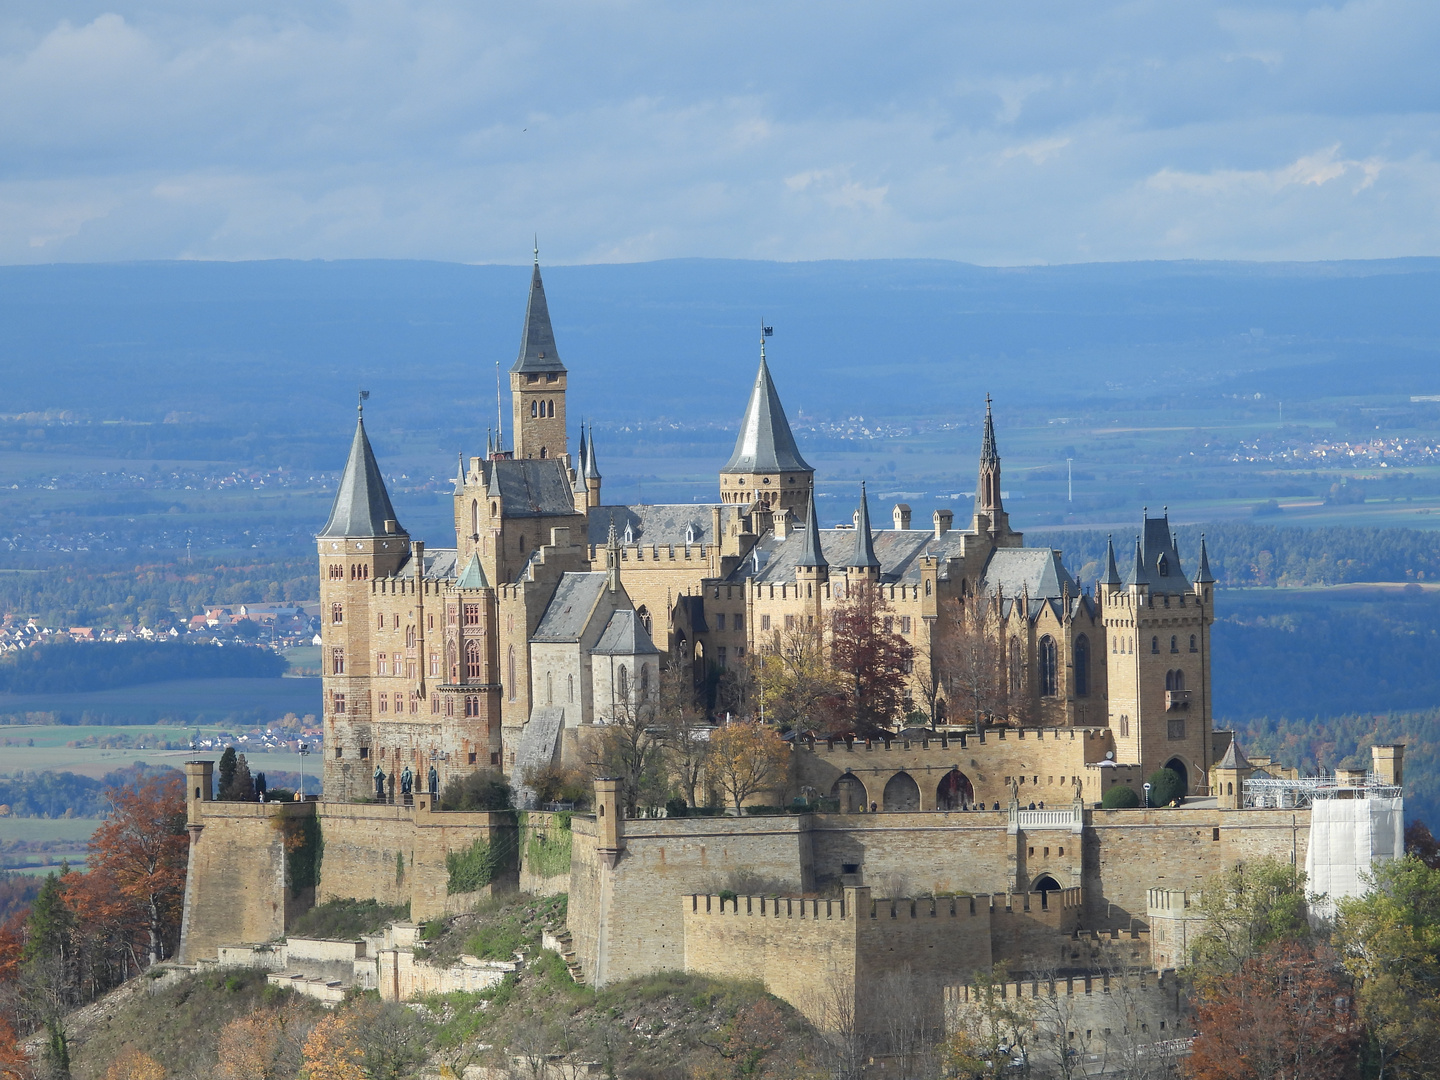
<point>625,129</point>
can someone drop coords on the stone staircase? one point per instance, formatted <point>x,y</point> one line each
<point>562,943</point>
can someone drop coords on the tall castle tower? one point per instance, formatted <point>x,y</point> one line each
<point>1157,625</point>
<point>537,381</point>
<point>990,516</point>
<point>766,465</point>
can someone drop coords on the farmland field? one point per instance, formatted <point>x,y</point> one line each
<point>205,702</point>
<point>38,845</point>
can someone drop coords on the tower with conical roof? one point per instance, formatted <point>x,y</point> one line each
<point>537,381</point>
<point>862,562</point>
<point>362,528</point>
<point>766,466</point>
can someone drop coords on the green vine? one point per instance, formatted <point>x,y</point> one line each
<point>547,853</point>
<point>304,850</point>
<point>475,867</point>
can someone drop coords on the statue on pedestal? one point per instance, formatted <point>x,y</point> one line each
<point>379,783</point>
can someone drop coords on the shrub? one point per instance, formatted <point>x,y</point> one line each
<point>1120,797</point>
<point>346,920</point>
<point>676,807</point>
<point>552,784</point>
<point>1165,787</point>
<point>483,789</point>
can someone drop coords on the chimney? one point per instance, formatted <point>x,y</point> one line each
<point>943,520</point>
<point>901,514</point>
<point>1388,764</point>
<point>780,523</point>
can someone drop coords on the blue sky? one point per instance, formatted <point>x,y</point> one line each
<point>998,133</point>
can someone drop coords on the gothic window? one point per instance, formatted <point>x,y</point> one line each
<point>337,661</point>
<point>510,671</point>
<point>474,517</point>
<point>472,660</point>
<point>570,687</point>
<point>644,681</point>
<point>534,409</point>
<point>1016,671</point>
<point>1169,680</point>
<point>1082,666</point>
<point>629,534</point>
<point>1155,645</point>
<point>1047,666</point>
<point>1124,727</point>
<point>410,637</point>
<point>644,614</point>
<point>1174,643</point>
<point>1192,644</point>
<point>337,614</point>
<point>1179,679</point>
<point>472,614</point>
<point>544,453</point>
<point>689,534</point>
<point>472,706</point>
<point>623,682</point>
<point>552,409</point>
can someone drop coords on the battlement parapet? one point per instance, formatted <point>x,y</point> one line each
<point>1032,989</point>
<point>1173,903</point>
<point>945,740</point>
<point>857,903</point>
<point>657,553</point>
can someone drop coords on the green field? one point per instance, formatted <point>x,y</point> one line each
<point>187,701</point>
<point>51,841</point>
<point>29,828</point>
<point>51,752</point>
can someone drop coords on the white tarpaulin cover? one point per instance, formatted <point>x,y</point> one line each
<point>1347,836</point>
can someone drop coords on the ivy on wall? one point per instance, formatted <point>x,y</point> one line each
<point>547,851</point>
<point>475,867</point>
<point>304,850</point>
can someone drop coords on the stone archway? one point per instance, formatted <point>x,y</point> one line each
<point>849,792</point>
<point>954,792</point>
<point>1178,768</point>
<point>901,793</point>
<point>1045,883</point>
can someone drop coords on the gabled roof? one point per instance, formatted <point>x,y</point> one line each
<point>864,553</point>
<point>625,635</point>
<point>532,487</point>
<point>1157,562</point>
<point>537,340</point>
<point>765,443</point>
<point>1036,572</point>
<point>569,611</point>
<point>473,576</point>
<point>362,505</point>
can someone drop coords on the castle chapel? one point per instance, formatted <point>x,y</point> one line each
<point>551,609</point>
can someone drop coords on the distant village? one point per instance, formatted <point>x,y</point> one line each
<point>280,626</point>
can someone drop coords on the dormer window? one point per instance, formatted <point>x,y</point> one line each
<point>629,535</point>
<point>689,534</point>
<point>1163,565</point>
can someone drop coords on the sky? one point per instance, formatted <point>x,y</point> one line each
<point>1001,133</point>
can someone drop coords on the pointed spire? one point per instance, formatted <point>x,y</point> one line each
<point>988,453</point>
<point>612,559</point>
<point>1137,572</point>
<point>580,460</point>
<point>459,469</point>
<point>592,469</point>
<point>1234,757</point>
<point>811,554</point>
<point>362,505</point>
<point>765,443</point>
<point>1112,572</point>
<point>473,576</point>
<point>537,341</point>
<point>863,554</point>
<point>1203,576</point>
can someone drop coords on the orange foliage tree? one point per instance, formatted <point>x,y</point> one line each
<point>134,1065</point>
<point>746,757</point>
<point>1284,1013</point>
<point>138,857</point>
<point>331,1052</point>
<point>14,1065</point>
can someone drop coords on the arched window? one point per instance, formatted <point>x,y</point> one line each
<point>549,688</point>
<point>410,636</point>
<point>1174,643</point>
<point>474,517</point>
<point>337,614</point>
<point>552,409</point>
<point>1047,666</point>
<point>1082,666</point>
<point>1155,645</point>
<point>629,534</point>
<point>1179,679</point>
<point>623,682</point>
<point>644,614</point>
<point>1163,565</point>
<point>472,660</point>
<point>570,687</point>
<point>510,671</point>
<point>1169,680</point>
<point>544,453</point>
<point>534,411</point>
<point>1016,671</point>
<point>1192,644</point>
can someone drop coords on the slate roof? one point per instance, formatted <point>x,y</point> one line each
<point>537,340</point>
<point>1234,757</point>
<point>473,576</point>
<point>898,552</point>
<point>532,487</point>
<point>863,553</point>
<point>625,635</point>
<point>660,524</point>
<point>1037,572</point>
<point>811,553</point>
<point>1158,561</point>
<point>362,505</point>
<point>569,610</point>
<point>765,443</point>
<point>1203,576</point>
<point>440,563</point>
<point>592,467</point>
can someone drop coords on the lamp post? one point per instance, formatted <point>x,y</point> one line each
<point>304,749</point>
<point>1146,786</point>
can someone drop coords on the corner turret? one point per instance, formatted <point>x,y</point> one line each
<point>766,465</point>
<point>863,562</point>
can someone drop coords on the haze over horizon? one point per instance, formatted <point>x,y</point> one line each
<point>621,132</point>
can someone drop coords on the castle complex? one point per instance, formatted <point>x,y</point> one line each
<point>942,850</point>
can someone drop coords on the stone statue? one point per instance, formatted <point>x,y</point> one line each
<point>379,783</point>
<point>407,781</point>
<point>434,781</point>
<point>391,782</point>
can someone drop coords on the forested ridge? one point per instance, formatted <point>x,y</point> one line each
<point>63,666</point>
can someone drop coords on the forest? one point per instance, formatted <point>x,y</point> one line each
<point>64,666</point>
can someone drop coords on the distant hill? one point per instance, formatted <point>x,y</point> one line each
<point>283,345</point>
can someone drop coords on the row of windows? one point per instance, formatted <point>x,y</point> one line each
<point>382,703</point>
<point>1174,644</point>
<point>540,409</point>
<point>1049,666</point>
<point>358,572</point>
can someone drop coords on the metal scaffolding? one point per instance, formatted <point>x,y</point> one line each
<point>1266,792</point>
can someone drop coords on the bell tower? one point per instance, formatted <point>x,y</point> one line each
<point>537,381</point>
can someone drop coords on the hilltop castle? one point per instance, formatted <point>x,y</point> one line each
<point>551,608</point>
<point>944,850</point>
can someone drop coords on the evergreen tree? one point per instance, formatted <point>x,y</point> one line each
<point>228,765</point>
<point>242,788</point>
<point>48,927</point>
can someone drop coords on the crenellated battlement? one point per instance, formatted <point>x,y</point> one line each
<point>962,740</point>
<point>1164,982</point>
<point>857,903</point>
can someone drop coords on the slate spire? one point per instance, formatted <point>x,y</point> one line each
<point>1137,572</point>
<point>1203,576</point>
<point>863,554</point>
<point>581,459</point>
<point>362,505</point>
<point>1112,572</point>
<point>988,453</point>
<point>592,469</point>
<point>537,340</point>
<point>811,554</point>
<point>765,443</point>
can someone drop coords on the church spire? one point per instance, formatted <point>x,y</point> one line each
<point>987,491</point>
<point>592,469</point>
<point>537,340</point>
<point>362,505</point>
<point>1112,572</point>
<point>988,453</point>
<point>1203,575</point>
<point>863,555</point>
<point>766,464</point>
<point>580,459</point>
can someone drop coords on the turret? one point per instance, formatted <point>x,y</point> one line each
<point>592,472</point>
<point>537,381</point>
<point>863,562</point>
<point>811,566</point>
<point>766,465</point>
<point>990,515</point>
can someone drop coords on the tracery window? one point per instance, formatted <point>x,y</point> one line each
<point>337,661</point>
<point>472,660</point>
<point>1047,666</point>
<point>1082,666</point>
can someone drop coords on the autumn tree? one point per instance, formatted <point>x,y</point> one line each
<point>873,662</point>
<point>14,1064</point>
<point>1390,941</point>
<point>265,1045</point>
<point>797,688</point>
<point>331,1052</point>
<point>686,731</point>
<point>133,1064</point>
<point>630,745</point>
<point>746,757</point>
<point>1284,1013</point>
<point>967,655</point>
<point>1247,910</point>
<point>142,847</point>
